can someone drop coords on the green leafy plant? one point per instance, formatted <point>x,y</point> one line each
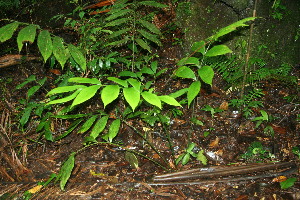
<point>212,110</point>
<point>288,183</point>
<point>248,102</point>
<point>206,48</point>
<point>185,157</point>
<point>257,152</point>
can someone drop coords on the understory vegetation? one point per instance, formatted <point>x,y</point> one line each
<point>109,79</point>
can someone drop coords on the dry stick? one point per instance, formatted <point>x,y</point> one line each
<point>246,67</point>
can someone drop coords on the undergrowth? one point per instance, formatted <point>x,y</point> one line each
<point>123,41</point>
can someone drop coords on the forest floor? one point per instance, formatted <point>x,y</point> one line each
<point>102,172</point>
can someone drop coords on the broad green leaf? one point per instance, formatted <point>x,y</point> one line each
<point>66,170</point>
<point>185,72</point>
<point>109,94</point>
<point>99,127</point>
<point>189,61</point>
<point>288,183</point>
<point>132,159</point>
<point>7,31</point>
<point>193,91</point>
<point>84,80</point>
<point>178,93</point>
<point>64,89</point>
<point>186,159</point>
<point>206,73</point>
<point>119,81</point>
<point>152,4</point>
<point>152,98</point>
<point>76,116</point>
<point>169,100</point>
<point>179,159</point>
<point>230,28</point>
<point>66,99</point>
<point>127,73</point>
<point>147,70</point>
<point>120,13</point>
<point>44,43</point>
<point>113,130</point>
<point>218,50</point>
<point>201,157</point>
<point>143,44</point>
<point>151,27</point>
<point>60,52</point>
<point>149,36</point>
<point>135,84</point>
<point>85,94</point>
<point>27,34</point>
<point>199,47</point>
<point>77,56</point>
<point>88,124</point>
<point>132,96</point>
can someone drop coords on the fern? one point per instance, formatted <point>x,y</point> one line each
<point>127,25</point>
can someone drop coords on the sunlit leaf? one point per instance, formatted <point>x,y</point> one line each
<point>44,43</point>
<point>206,73</point>
<point>199,47</point>
<point>218,50</point>
<point>27,34</point>
<point>186,159</point>
<point>64,89</point>
<point>66,99</point>
<point>7,31</point>
<point>185,72</point>
<point>152,98</point>
<point>201,157</point>
<point>135,83</point>
<point>84,80</point>
<point>189,61</point>
<point>85,94</point>
<point>132,96</point>
<point>169,100</point>
<point>193,91</point>
<point>109,94</point>
<point>119,81</point>
<point>230,28</point>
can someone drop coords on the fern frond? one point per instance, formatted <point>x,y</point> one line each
<point>143,44</point>
<point>120,13</point>
<point>151,27</point>
<point>149,36</point>
<point>152,4</point>
<point>118,33</point>
<point>118,22</point>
